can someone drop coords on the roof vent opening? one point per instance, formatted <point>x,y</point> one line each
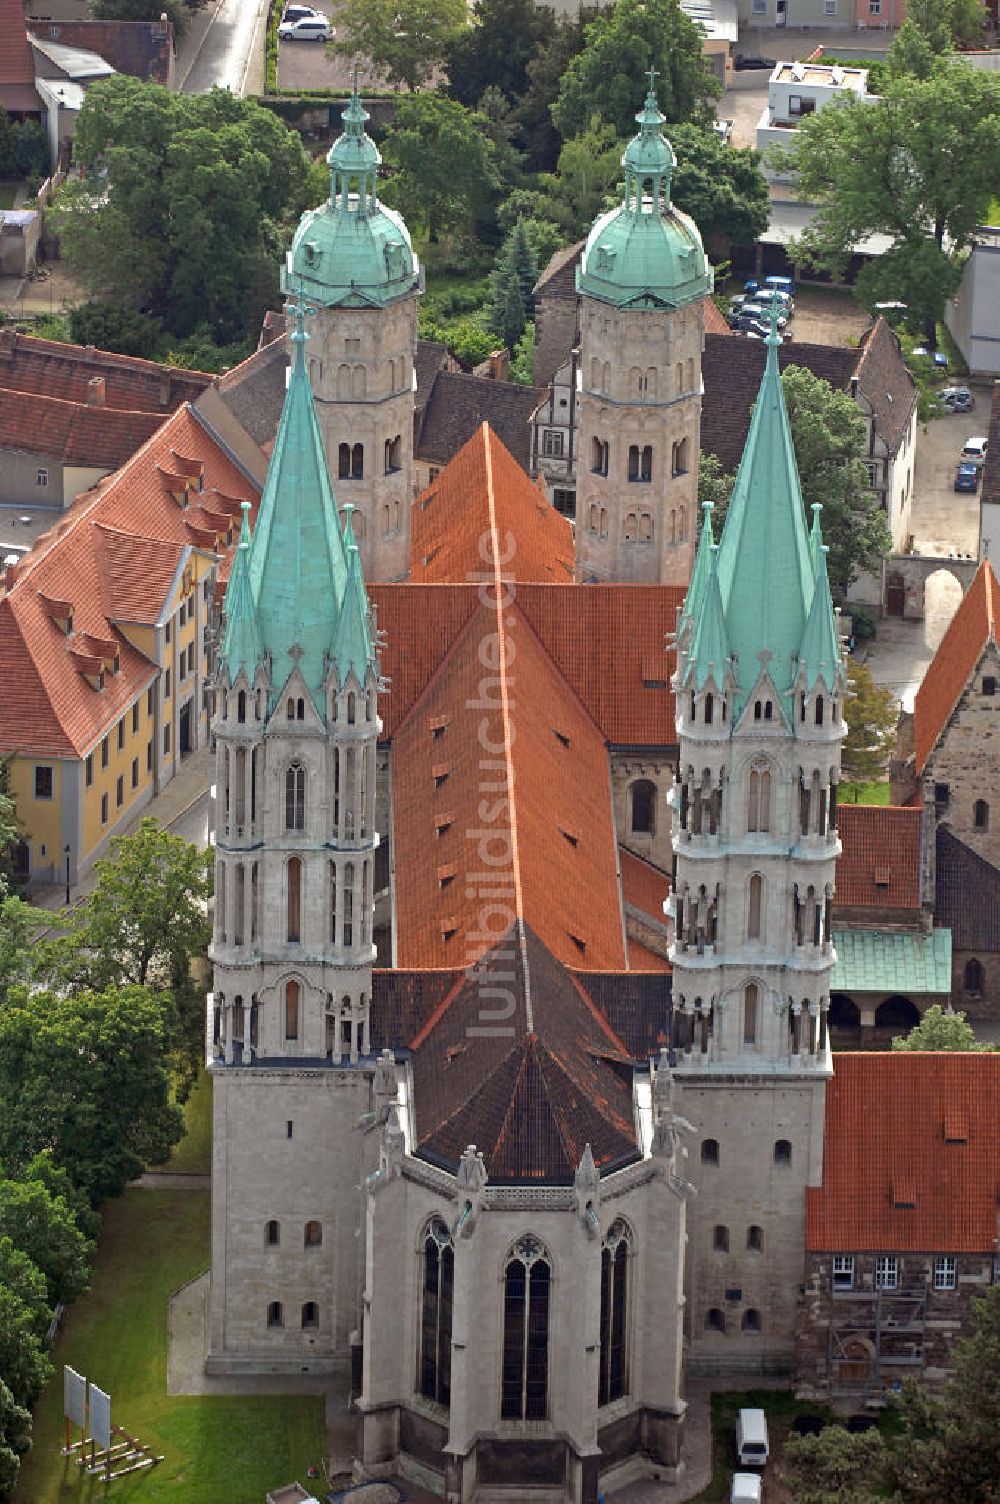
<point>903,1192</point>
<point>578,941</point>
<point>560,736</point>
<point>440,772</point>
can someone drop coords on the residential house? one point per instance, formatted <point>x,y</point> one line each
<point>142,49</point>
<point>51,449</point>
<point>989,491</point>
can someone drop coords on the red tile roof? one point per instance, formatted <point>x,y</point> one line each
<point>483,494</point>
<point>641,958</point>
<point>112,557</point>
<point>715,323</point>
<point>16,64</point>
<point>643,886</point>
<point>879,867</point>
<point>71,431</point>
<point>972,627</point>
<point>909,1127</point>
<point>53,369</point>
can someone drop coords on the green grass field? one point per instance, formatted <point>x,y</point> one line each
<point>193,1155</point>
<point>863,793</point>
<point>7,195</point>
<point>216,1450</point>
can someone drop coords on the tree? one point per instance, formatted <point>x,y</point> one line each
<point>835,1467</point>
<point>938,1030</point>
<point>714,485</point>
<point>176,11</point>
<point>511,284</point>
<point>442,164</point>
<point>180,205</point>
<point>15,1439</point>
<point>84,1075</point>
<point>609,76</point>
<point>932,18</point>
<point>23,1362</point>
<point>522,366</point>
<point>871,714</point>
<point>43,1227</point>
<point>18,1273</point>
<point>919,165</point>
<point>533,114</point>
<point>31,152</point>
<point>494,51</point>
<point>111,326</point>
<point>404,39</point>
<point>587,171</point>
<point>721,187</point>
<point>911,52</point>
<point>829,437</point>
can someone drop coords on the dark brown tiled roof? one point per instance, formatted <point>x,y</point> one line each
<point>636,1005</point>
<point>991,470</point>
<point>879,867</point>
<point>254,391</point>
<point>403,1002</point>
<point>102,437</point>
<point>53,369</point>
<point>733,370</point>
<point>886,383</point>
<point>458,404</point>
<point>558,280</point>
<point>966,895</point>
<point>139,48</point>
<point>430,359</point>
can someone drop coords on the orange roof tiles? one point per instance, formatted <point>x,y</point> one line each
<point>72,431</point>
<point>890,1139</point>
<point>643,885</point>
<point>112,557</point>
<point>971,628</point>
<point>50,368</point>
<point>16,65</point>
<point>484,489</point>
<point>641,958</point>
<point>715,323</point>
<point>880,864</point>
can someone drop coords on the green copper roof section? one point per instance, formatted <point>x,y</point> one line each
<point>353,646</point>
<point>709,655</point>
<point>820,651</point>
<point>815,536</point>
<point>298,567</point>
<point>352,251</point>
<point>765,563</point>
<point>885,961</point>
<point>702,565</point>
<point>242,647</point>
<point>646,253</point>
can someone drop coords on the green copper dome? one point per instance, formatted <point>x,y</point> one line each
<point>645,254</point>
<point>352,251</point>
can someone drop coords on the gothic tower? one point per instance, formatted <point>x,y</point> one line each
<point>352,260</point>
<point>289,1050</point>
<point>759,692</point>
<point>642,280</point>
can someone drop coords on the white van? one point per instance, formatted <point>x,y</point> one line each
<point>747,1488</point>
<point>751,1438</point>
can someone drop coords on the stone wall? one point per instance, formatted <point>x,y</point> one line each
<point>653,846</point>
<point>555,334</point>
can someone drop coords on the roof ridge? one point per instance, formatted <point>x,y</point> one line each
<point>596,1013</point>
<point>430,1024</point>
<point>80,405</point>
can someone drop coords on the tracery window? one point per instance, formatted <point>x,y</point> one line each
<point>527,1290</point>
<point>438,1256</point>
<point>613,1371</point>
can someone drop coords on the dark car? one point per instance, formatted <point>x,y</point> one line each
<point>748,323</point>
<point>957,399</point>
<point>967,477</point>
<point>746,60</point>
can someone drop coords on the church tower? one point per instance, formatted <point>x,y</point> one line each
<point>289,1049</point>
<point>642,279</point>
<point>353,261</point>
<point>759,691</point>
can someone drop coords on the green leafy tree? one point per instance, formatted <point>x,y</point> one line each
<point>721,187</point>
<point>18,1273</point>
<point>507,317</point>
<point>920,165</point>
<point>112,326</point>
<point>23,1361</point>
<point>588,169</point>
<point>715,485</point>
<point>58,1182</point>
<point>969,19</point>
<point>829,437</point>
<point>938,1030</point>
<point>85,1075</point>
<point>442,163</point>
<point>912,53</point>
<point>15,1439</point>
<point>6,145</point>
<point>871,714</point>
<point>176,11</point>
<point>932,18</point>
<point>182,202</point>
<point>495,49</point>
<point>31,152</point>
<point>835,1467</point>
<point>533,114</point>
<point>522,366</point>
<point>44,1228</point>
<point>609,76</point>
<point>404,39</point>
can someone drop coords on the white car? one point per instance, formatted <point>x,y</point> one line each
<point>747,1488</point>
<point>974,450</point>
<point>306,29</point>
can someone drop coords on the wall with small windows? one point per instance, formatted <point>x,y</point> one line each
<point>642,815</point>
<point>40,479</point>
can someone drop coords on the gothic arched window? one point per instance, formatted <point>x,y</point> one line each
<point>643,797</point>
<point>348,903</point>
<point>750,1000</point>
<point>972,984</point>
<point>613,1371</point>
<point>295,797</point>
<point>754,905</point>
<point>292,993</point>
<point>344,462</point>
<point>628,533</point>
<point>759,803</point>
<point>358,462</point>
<point>981,815</point>
<point>294,905</point>
<point>437,1301</point>
<point>527,1288</point>
<point>310,1315</point>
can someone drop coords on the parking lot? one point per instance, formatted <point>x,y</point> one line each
<point>946,521</point>
<point>312,65</point>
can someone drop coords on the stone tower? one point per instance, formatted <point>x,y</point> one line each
<point>352,260</point>
<point>759,690</point>
<point>642,280</point>
<point>296,729</point>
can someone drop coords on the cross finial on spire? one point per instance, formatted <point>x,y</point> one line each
<point>300,310</point>
<point>652,74</point>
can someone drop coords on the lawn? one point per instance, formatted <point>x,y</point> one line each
<point>193,1155</point>
<point>781,1407</point>
<point>861,793</point>
<point>231,1449</point>
<point>8,192</point>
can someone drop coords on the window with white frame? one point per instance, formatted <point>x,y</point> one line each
<point>829,7</point>
<point>945,1272</point>
<point>874,7</point>
<point>843,1271</point>
<point>886,1272</point>
<point>760,7</point>
<point>552,443</point>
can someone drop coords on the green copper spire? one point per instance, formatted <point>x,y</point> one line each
<point>241,644</point>
<point>709,656</point>
<point>815,535</point>
<point>766,571</point>
<point>820,651</point>
<point>702,565</point>
<point>353,647</point>
<point>298,567</point>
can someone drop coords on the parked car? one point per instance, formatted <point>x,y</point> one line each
<point>300,13</point>
<point>957,399</point>
<point>967,477</point>
<point>762,312</point>
<point>938,356</point>
<point>769,295</point>
<point>746,1488</point>
<point>974,450</point>
<point>781,284</point>
<point>306,29</point>
<point>744,322</point>
<point>745,60</point>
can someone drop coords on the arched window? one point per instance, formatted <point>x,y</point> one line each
<point>710,1151</point>
<point>310,1315</point>
<point>819,710</point>
<point>294,900</point>
<point>240,789</point>
<point>312,1235</point>
<point>343,382</point>
<point>709,709</point>
<point>436,1313</point>
<point>758,710</point>
<point>344,462</point>
<point>679,457</point>
<point>720,1238</point>
<point>645,527</point>
<point>295,797</point>
<point>646,462</point>
<point>359,381</point>
<point>759,804</point>
<point>300,709</point>
<point>358,462</point>
<point>290,710</point>
<point>633,462</point>
<point>241,706</point>
<point>754,905</point>
<point>595,517</point>
<point>981,815</point>
<point>972,984</point>
<point>348,904</point>
<point>628,532</point>
<point>715,1320</point>
<point>612,1381</point>
<point>755,1239</point>
<point>292,1010</point>
<point>651,383</point>
<point>643,796</point>
<point>333,903</point>
<point>750,1013</point>
<point>599,456</point>
<point>604,522</point>
<point>782,1151</point>
<point>751,1320</point>
<point>275,1315</point>
<point>272,1234</point>
<point>352,707</point>
<point>527,1287</point>
<point>635,381</point>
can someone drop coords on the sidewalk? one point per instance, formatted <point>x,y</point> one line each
<point>191,43</point>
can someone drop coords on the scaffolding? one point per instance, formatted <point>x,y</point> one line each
<point>874,1337</point>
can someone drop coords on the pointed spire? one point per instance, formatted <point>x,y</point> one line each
<point>354,160</point>
<point>298,566</point>
<point>353,646</point>
<point>709,656</point>
<point>815,536</point>
<point>649,157</point>
<point>241,642</point>
<point>820,651</point>
<point>702,565</point>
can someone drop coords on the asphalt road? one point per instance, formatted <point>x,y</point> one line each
<point>227,48</point>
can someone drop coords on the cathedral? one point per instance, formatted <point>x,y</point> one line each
<point>518,1030</point>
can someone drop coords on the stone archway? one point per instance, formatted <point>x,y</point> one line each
<point>897,1012</point>
<point>905,578</point>
<point>844,1012</point>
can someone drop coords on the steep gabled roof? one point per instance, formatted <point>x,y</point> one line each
<point>17,69</point>
<point>886,383</point>
<point>458,403</point>
<point>991,469</point>
<point>879,867</point>
<point>966,895</point>
<point>72,431</point>
<point>644,886</point>
<point>53,369</point>
<point>484,492</point>
<point>926,1122</point>
<point>972,627</point>
<point>558,280</point>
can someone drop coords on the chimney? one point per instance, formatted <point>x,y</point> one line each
<point>499,365</point>
<point>95,391</point>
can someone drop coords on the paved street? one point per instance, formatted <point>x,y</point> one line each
<point>224,47</point>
